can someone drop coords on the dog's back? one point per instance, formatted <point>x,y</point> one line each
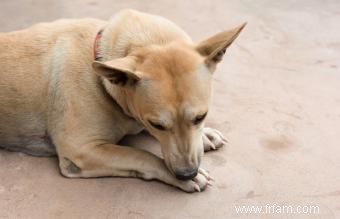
<point>27,68</point>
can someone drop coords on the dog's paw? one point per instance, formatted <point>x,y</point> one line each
<point>212,139</point>
<point>197,184</point>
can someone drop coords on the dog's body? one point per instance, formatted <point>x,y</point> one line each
<point>56,100</point>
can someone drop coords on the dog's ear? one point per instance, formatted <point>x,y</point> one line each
<point>120,71</point>
<point>214,47</point>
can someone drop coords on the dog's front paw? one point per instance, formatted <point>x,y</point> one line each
<point>212,139</point>
<point>197,184</point>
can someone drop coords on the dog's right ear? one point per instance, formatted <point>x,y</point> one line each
<point>214,47</point>
<point>120,71</point>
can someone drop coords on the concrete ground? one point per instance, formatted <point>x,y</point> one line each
<point>276,98</point>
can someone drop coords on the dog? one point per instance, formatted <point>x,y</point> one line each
<point>74,88</point>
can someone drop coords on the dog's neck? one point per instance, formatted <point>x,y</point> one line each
<point>107,46</point>
<point>114,91</point>
<point>118,40</point>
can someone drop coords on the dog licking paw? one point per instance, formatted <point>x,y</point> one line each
<point>212,139</point>
<point>197,184</point>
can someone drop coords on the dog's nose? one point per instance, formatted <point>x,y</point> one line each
<point>186,174</point>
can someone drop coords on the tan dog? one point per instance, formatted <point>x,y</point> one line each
<point>148,74</point>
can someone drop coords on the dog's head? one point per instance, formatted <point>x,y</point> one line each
<point>167,88</point>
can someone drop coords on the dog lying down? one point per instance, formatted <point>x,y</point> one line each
<point>74,88</point>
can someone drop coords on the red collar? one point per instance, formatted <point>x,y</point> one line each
<point>96,49</point>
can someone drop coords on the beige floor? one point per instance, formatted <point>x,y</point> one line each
<point>277,99</point>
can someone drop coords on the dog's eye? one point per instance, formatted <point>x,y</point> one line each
<point>157,126</point>
<point>199,119</point>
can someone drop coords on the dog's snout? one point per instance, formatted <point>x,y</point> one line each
<point>186,174</point>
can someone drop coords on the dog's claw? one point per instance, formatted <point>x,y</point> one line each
<point>204,173</point>
<point>213,139</point>
<point>197,188</point>
<point>221,135</point>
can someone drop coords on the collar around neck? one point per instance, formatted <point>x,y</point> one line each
<point>96,46</point>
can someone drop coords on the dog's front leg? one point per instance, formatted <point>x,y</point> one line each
<point>115,160</point>
<point>212,139</point>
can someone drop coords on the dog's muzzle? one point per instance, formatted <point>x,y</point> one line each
<point>187,174</point>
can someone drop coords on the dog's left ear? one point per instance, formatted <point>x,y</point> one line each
<point>120,71</point>
<point>214,47</point>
